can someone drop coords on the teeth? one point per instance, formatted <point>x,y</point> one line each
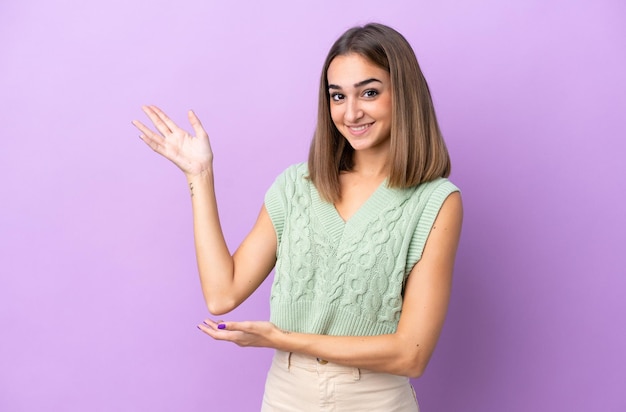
<point>359,128</point>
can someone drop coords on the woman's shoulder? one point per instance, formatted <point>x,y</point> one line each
<point>291,182</point>
<point>440,184</point>
<point>294,172</point>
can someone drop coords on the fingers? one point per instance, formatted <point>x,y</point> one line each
<point>166,126</point>
<point>248,333</point>
<point>218,331</point>
<point>160,120</point>
<point>190,154</point>
<point>195,123</point>
<point>155,141</point>
<point>146,130</point>
<point>168,122</point>
<point>216,325</point>
<point>163,124</point>
<point>157,120</point>
<point>221,330</point>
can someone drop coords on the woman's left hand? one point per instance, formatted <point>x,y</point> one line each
<point>249,333</point>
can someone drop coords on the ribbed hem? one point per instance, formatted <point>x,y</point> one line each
<point>324,319</point>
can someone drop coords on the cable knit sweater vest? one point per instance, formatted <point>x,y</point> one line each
<point>346,278</point>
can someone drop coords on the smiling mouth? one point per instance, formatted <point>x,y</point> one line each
<point>360,128</point>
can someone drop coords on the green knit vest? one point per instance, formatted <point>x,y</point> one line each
<point>346,278</point>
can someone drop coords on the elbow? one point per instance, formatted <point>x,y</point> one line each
<point>219,307</point>
<point>415,371</point>
<point>218,302</point>
<point>414,364</point>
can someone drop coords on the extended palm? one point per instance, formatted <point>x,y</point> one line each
<point>192,154</point>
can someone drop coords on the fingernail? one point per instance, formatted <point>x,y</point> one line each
<point>221,326</point>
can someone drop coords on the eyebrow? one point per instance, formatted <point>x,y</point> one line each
<point>356,85</point>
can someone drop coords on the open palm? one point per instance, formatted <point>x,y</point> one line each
<point>192,154</point>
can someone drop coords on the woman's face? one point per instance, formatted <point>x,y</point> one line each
<point>360,101</point>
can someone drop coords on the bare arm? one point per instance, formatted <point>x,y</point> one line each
<point>405,352</point>
<point>226,280</point>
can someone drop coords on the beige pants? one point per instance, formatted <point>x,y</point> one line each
<point>301,383</point>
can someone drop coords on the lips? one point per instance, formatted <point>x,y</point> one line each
<point>359,129</point>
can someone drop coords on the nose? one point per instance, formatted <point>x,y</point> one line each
<point>353,111</point>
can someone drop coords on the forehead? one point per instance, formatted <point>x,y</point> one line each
<point>347,70</point>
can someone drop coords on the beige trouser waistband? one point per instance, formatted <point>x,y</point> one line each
<point>312,363</point>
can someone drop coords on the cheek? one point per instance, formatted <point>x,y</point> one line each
<point>384,108</point>
<point>336,114</point>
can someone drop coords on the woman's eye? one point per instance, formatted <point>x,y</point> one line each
<point>336,97</point>
<point>370,93</point>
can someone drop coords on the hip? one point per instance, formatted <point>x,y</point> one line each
<point>297,382</point>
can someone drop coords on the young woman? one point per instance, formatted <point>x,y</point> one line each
<point>363,237</point>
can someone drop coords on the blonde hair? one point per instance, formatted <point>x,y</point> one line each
<point>417,151</point>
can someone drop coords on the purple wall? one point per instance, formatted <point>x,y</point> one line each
<point>98,290</point>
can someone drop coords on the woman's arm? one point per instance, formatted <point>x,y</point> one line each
<point>226,280</point>
<point>405,352</point>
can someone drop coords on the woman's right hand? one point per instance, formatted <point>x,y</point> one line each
<point>192,154</point>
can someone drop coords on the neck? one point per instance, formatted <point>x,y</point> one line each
<point>369,164</point>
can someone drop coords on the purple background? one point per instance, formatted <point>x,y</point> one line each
<point>99,295</point>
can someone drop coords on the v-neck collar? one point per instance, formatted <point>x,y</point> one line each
<point>335,225</point>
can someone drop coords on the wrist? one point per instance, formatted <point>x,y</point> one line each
<point>205,174</point>
<point>282,339</point>
<point>200,181</point>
